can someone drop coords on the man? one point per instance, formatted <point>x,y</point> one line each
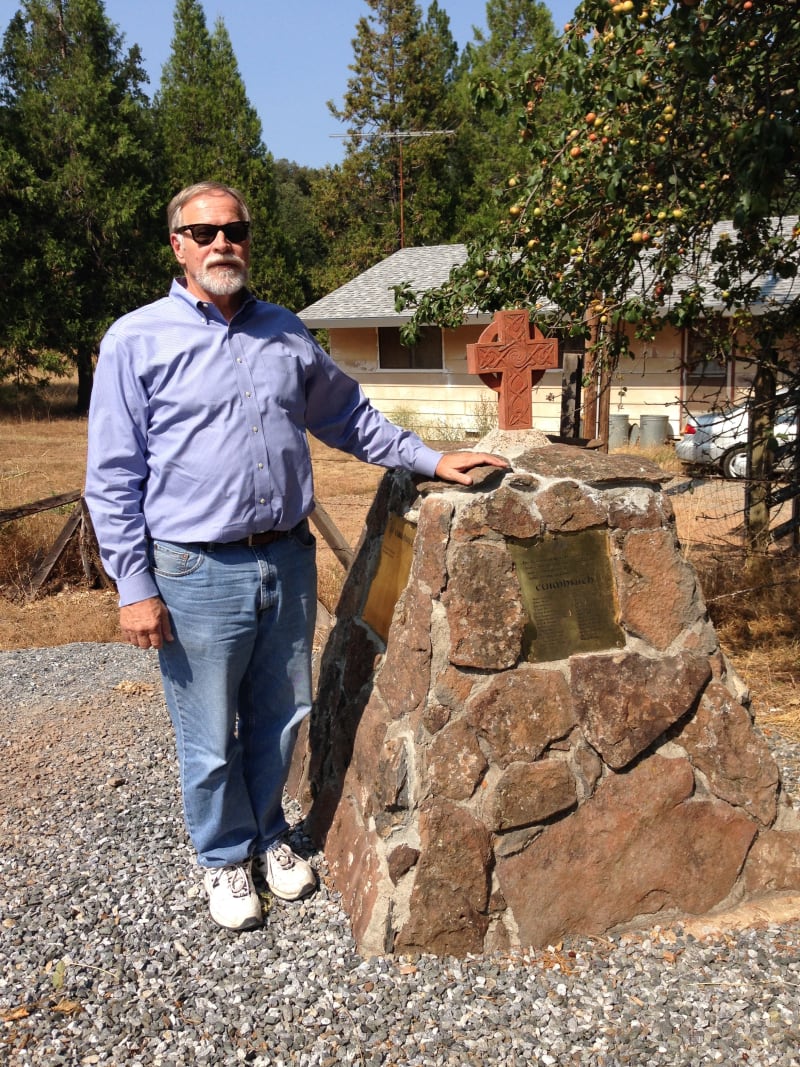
<point>199,485</point>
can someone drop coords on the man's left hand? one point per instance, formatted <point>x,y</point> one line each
<point>452,467</point>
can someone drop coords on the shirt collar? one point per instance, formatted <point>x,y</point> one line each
<point>179,291</point>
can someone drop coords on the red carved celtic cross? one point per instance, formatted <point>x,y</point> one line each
<point>511,355</point>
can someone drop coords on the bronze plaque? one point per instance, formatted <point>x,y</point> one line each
<point>568,593</point>
<point>394,566</point>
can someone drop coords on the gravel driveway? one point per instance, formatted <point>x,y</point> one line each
<point>108,955</point>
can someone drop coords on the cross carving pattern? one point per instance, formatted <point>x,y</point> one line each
<point>510,356</point>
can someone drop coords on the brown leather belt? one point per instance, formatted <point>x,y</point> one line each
<point>265,538</point>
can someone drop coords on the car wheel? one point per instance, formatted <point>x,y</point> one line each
<point>734,463</point>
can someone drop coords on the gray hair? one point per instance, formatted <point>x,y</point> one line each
<point>178,202</point>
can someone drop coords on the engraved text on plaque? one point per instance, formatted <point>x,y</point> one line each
<point>568,593</point>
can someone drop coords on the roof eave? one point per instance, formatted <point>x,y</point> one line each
<point>360,322</point>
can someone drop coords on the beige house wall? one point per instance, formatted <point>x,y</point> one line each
<point>434,398</point>
<point>649,383</point>
<point>652,383</point>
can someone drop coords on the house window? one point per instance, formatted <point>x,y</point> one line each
<point>703,366</point>
<point>425,354</point>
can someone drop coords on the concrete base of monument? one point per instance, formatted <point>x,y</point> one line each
<point>772,908</point>
<point>525,728</point>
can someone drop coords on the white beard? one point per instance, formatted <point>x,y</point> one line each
<point>223,277</point>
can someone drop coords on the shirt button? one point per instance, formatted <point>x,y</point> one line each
<point>262,500</point>
<point>261,466</point>
<point>248,395</point>
<point>238,361</point>
<point>255,429</point>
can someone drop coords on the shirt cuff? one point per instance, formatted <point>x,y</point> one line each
<point>135,588</point>
<point>426,461</point>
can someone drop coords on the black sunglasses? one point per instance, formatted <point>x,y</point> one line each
<point>203,233</point>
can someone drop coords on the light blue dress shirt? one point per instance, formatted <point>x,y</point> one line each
<point>197,429</point>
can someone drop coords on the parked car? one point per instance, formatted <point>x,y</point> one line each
<point>717,440</point>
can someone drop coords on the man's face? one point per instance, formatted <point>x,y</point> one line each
<point>219,269</point>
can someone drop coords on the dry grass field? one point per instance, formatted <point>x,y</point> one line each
<point>42,454</point>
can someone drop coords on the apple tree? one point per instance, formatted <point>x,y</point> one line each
<point>681,114</point>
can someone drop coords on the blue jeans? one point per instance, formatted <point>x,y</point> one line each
<point>237,681</point>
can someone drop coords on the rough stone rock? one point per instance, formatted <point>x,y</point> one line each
<point>588,768</point>
<point>774,862</point>
<point>452,687</point>
<point>635,508</point>
<point>354,867</point>
<point>522,482</point>
<point>520,713</point>
<point>392,782</point>
<point>400,861</point>
<point>657,588</point>
<point>639,846</point>
<point>456,763</point>
<point>434,717</point>
<point>429,567</point>
<point>702,639</point>
<point>368,758</point>
<point>506,512</point>
<point>472,801</point>
<point>737,762</point>
<point>625,701</point>
<point>566,507</point>
<point>405,676</point>
<point>484,574</point>
<point>529,793</point>
<point>593,468</point>
<point>451,889</point>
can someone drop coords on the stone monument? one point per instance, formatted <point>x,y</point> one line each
<point>525,726</point>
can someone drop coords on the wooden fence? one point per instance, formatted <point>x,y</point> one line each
<point>79,524</point>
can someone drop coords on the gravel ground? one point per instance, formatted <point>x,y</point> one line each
<point>108,955</point>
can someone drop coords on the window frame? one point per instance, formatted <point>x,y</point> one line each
<point>432,338</point>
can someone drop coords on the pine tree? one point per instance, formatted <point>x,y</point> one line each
<point>76,178</point>
<point>305,246</point>
<point>395,184</point>
<point>210,131</point>
<point>185,103</point>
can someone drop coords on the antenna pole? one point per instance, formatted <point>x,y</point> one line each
<point>399,136</point>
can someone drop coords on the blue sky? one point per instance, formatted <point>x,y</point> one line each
<point>293,56</point>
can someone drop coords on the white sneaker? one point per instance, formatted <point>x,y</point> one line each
<point>232,898</point>
<point>287,876</point>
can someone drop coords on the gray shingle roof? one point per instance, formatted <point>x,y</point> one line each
<point>774,291</point>
<point>368,300</point>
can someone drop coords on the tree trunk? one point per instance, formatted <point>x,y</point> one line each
<point>85,378</point>
<point>760,438</point>
<point>589,407</point>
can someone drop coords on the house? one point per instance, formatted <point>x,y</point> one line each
<point>428,387</point>
<point>425,386</point>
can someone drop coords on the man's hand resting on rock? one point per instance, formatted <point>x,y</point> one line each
<point>452,467</point>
